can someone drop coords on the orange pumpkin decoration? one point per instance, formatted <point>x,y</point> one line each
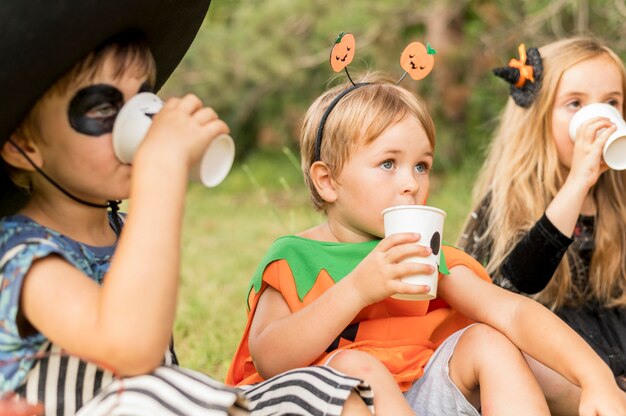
<point>417,60</point>
<point>342,52</point>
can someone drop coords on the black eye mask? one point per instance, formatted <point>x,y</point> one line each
<point>86,100</point>
<point>90,97</point>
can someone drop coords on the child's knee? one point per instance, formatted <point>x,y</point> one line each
<point>482,347</point>
<point>356,362</point>
<point>482,340</point>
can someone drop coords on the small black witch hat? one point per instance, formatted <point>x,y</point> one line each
<point>524,75</point>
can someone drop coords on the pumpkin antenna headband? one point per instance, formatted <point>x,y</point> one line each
<point>417,60</point>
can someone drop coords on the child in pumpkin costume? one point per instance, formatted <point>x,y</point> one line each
<point>87,295</point>
<point>323,296</point>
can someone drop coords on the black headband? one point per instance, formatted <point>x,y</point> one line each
<point>320,129</point>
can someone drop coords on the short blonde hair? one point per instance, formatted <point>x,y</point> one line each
<point>358,118</point>
<point>129,50</point>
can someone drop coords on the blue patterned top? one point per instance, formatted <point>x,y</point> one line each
<point>22,241</point>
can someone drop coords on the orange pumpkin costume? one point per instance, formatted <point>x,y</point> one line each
<point>401,334</point>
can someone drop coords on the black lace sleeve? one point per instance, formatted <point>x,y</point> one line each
<point>534,259</point>
<point>473,239</point>
<point>531,263</point>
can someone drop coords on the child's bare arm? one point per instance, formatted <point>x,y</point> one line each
<point>127,321</point>
<point>280,340</point>
<point>536,331</point>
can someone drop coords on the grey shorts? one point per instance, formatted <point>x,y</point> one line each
<point>435,394</point>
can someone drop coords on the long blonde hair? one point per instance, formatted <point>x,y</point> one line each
<point>522,175</point>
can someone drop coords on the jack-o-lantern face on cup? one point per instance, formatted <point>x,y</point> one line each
<point>417,60</point>
<point>342,52</point>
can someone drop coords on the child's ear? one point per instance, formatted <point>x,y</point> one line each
<point>322,179</point>
<point>13,157</point>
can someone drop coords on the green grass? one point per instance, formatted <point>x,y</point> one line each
<point>228,229</point>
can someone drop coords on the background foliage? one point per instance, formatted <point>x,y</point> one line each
<point>260,63</point>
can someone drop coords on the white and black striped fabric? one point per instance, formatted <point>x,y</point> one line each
<point>306,391</point>
<point>313,391</point>
<point>68,386</point>
<point>65,383</point>
<point>167,391</point>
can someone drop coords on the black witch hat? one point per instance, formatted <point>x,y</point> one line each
<point>524,75</point>
<point>40,40</point>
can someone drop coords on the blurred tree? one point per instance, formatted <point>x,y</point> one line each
<point>260,63</point>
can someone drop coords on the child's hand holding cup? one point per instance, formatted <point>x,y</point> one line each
<point>132,124</point>
<point>614,152</point>
<point>428,223</point>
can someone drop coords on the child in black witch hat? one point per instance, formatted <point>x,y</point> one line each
<point>83,303</point>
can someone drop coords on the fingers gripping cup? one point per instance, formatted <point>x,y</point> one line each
<point>614,152</point>
<point>428,223</point>
<point>132,124</point>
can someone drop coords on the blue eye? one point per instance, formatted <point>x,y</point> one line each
<point>387,165</point>
<point>421,168</point>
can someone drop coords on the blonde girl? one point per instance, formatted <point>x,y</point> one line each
<point>549,217</point>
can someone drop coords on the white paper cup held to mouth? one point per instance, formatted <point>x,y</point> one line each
<point>428,222</point>
<point>132,124</point>
<point>614,152</point>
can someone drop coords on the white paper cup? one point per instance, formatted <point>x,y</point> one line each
<point>614,152</point>
<point>132,124</point>
<point>428,222</point>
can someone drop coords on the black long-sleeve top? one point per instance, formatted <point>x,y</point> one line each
<point>533,260</point>
<point>531,264</point>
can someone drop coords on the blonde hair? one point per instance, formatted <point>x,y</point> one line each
<point>522,175</point>
<point>128,50</point>
<point>358,118</point>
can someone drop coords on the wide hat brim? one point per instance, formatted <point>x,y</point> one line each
<point>42,39</point>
